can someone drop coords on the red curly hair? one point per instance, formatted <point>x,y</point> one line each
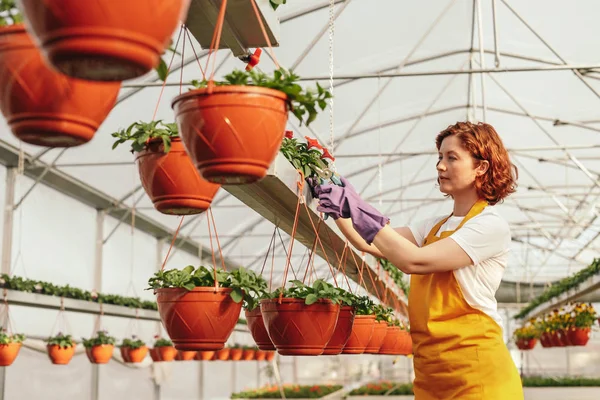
<point>484,143</point>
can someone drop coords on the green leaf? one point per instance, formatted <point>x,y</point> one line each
<point>162,70</point>
<point>237,295</point>
<point>189,286</point>
<point>310,299</point>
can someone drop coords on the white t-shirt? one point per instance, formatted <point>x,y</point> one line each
<point>486,240</point>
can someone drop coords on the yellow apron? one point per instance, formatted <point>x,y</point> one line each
<point>459,352</point>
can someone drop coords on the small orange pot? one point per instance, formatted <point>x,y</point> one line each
<point>526,344</point>
<point>60,355</point>
<point>183,355</point>
<point>235,354</point>
<point>362,330</point>
<point>100,354</point>
<point>167,353</point>
<point>171,180</point>
<point>248,354</point>
<point>134,355</point>
<point>234,134</point>
<point>579,336</point>
<point>8,353</point>
<point>99,40</point>
<point>154,354</point>
<point>199,319</point>
<point>223,354</point>
<point>270,355</point>
<point>205,355</point>
<point>260,355</point>
<point>343,330</point>
<point>379,333</point>
<point>258,330</point>
<point>404,343</point>
<point>389,342</point>
<point>41,106</point>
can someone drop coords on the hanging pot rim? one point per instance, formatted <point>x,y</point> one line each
<point>230,89</point>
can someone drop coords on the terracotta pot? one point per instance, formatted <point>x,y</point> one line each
<point>43,107</point>
<point>258,330</point>
<point>342,332</point>
<point>235,354</point>
<point>362,330</point>
<point>404,343</point>
<point>526,344</point>
<point>248,354</point>
<point>103,41</point>
<point>200,319</point>
<point>260,355</point>
<point>223,354</point>
<point>8,353</point>
<point>270,355</point>
<point>171,180</point>
<point>389,342</point>
<point>167,353</point>
<point>100,354</point>
<point>183,355</point>
<point>297,329</point>
<point>234,134</point>
<point>546,340</point>
<point>558,339</point>
<point>124,354</point>
<point>379,333</point>
<point>154,354</point>
<point>134,355</point>
<point>60,355</point>
<point>579,336</point>
<point>205,355</point>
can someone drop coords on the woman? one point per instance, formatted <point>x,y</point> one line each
<point>456,264</point>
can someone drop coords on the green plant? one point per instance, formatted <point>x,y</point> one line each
<point>140,133</point>
<point>247,285</point>
<point>133,343</point>
<point>383,313</point>
<point>14,338</point>
<point>290,392</point>
<point>543,381</point>
<point>363,305</point>
<point>304,156</point>
<point>162,342</point>
<point>276,3</point>
<point>311,294</point>
<point>396,275</point>
<point>383,388</point>
<point>60,340</point>
<point>9,13</point>
<point>102,337</point>
<point>302,103</point>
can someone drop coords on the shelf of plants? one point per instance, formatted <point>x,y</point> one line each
<point>275,198</point>
<point>239,32</point>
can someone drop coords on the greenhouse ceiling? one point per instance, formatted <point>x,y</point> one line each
<point>401,75</point>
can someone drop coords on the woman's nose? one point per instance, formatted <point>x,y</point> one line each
<point>440,166</point>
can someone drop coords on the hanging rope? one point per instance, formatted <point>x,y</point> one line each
<point>331,67</point>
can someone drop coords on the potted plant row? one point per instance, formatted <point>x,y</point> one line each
<point>167,174</point>
<point>41,105</point>
<point>290,391</point>
<point>199,307</point>
<point>10,345</point>
<point>233,128</point>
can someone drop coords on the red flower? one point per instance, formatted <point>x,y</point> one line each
<point>313,143</point>
<point>289,134</point>
<point>327,154</point>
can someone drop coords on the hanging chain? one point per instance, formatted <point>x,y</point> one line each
<point>331,33</point>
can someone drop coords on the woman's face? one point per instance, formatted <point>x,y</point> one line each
<point>456,168</point>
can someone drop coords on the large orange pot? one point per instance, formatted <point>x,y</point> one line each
<point>60,355</point>
<point>8,353</point>
<point>362,330</point>
<point>234,134</point>
<point>297,329</point>
<point>104,40</point>
<point>100,354</point>
<point>131,355</point>
<point>393,334</point>
<point>171,180</point>
<point>42,106</point>
<point>200,319</point>
<point>257,328</point>
<point>379,333</point>
<point>579,336</point>
<point>342,332</point>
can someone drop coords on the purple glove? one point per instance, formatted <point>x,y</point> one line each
<point>344,202</point>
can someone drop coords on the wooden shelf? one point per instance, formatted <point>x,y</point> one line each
<point>275,198</point>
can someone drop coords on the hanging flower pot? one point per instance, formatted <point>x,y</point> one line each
<point>155,355</point>
<point>133,350</point>
<point>270,355</point>
<point>297,329</point>
<point>223,354</point>
<point>99,349</point>
<point>9,347</point>
<point>362,331</point>
<point>258,330</point>
<point>343,329</point>
<point>379,333</point>
<point>404,343</point>
<point>61,349</point>
<point>205,355</point>
<point>233,132</point>
<point>546,340</point>
<point>96,40</point>
<point>183,355</point>
<point>248,354</point>
<point>389,342</point>
<point>43,107</point>
<point>163,350</point>
<point>526,344</point>
<point>579,336</point>
<point>260,355</point>
<point>236,353</point>
<point>196,314</point>
<point>166,171</point>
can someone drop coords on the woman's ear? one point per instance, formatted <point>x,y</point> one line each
<point>482,168</point>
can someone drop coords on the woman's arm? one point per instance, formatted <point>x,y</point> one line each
<point>443,255</point>
<point>345,225</point>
